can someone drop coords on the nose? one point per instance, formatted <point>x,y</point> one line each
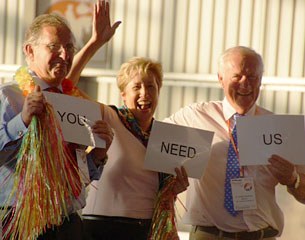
<point>65,53</point>
<point>143,91</point>
<point>244,81</point>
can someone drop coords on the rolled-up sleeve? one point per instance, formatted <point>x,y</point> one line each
<point>12,127</point>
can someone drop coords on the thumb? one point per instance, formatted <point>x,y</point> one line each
<point>37,89</point>
<point>116,25</point>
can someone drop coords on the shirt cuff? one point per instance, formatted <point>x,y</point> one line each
<point>16,128</point>
<point>94,171</point>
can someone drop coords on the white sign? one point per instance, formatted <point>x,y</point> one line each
<point>171,146</point>
<point>76,116</point>
<point>261,136</point>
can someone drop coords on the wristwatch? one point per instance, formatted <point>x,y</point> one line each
<point>296,184</point>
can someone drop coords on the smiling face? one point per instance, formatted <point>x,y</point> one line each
<point>240,77</point>
<point>141,97</point>
<point>52,55</point>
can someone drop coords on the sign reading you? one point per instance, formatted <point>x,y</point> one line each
<point>261,136</point>
<point>171,146</point>
<point>76,116</point>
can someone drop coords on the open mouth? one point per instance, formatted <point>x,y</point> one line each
<point>144,105</point>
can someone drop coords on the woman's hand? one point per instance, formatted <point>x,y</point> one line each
<point>102,31</point>
<point>181,181</point>
<point>103,131</point>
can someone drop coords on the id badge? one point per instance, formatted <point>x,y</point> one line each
<point>83,166</point>
<point>243,192</point>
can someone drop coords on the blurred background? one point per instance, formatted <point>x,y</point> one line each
<point>187,37</point>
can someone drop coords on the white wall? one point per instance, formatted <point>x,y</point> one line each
<point>186,36</point>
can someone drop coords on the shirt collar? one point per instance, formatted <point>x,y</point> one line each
<point>229,111</point>
<point>43,84</point>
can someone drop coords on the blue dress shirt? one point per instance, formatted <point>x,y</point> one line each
<point>12,130</point>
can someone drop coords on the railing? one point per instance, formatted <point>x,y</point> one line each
<point>280,95</point>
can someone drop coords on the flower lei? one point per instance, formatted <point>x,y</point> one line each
<point>26,83</point>
<point>45,172</point>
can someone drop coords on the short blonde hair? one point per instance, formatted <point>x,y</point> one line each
<point>143,66</point>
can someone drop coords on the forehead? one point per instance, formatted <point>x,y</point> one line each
<point>139,78</point>
<point>55,34</point>
<point>242,62</point>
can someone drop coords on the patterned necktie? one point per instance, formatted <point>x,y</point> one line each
<point>233,171</point>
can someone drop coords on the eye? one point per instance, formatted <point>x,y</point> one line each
<point>252,78</point>
<point>54,47</point>
<point>136,87</point>
<point>70,48</point>
<point>236,78</point>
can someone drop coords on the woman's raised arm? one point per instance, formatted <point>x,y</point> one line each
<point>102,32</point>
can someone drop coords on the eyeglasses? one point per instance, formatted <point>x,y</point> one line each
<point>56,48</point>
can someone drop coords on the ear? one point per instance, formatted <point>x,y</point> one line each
<point>220,79</point>
<point>123,96</point>
<point>29,52</point>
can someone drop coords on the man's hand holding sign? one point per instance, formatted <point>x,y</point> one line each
<point>273,140</point>
<point>270,134</point>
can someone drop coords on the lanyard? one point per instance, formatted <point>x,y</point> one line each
<point>241,168</point>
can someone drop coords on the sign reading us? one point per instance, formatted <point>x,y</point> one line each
<point>261,136</point>
<point>171,146</point>
<point>75,115</point>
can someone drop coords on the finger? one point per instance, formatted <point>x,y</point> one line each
<point>96,9</point>
<point>101,127</point>
<point>108,139</point>
<point>183,171</point>
<point>37,88</point>
<point>185,177</point>
<point>181,177</point>
<point>275,163</point>
<point>116,25</point>
<point>279,159</point>
<point>107,9</point>
<point>103,7</point>
<point>282,164</point>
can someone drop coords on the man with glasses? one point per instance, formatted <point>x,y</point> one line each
<point>49,51</point>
